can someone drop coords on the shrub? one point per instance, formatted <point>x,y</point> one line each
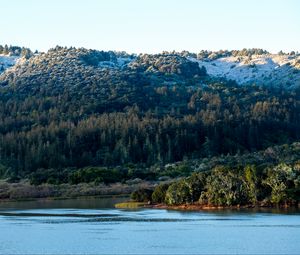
<point>178,193</point>
<point>282,179</point>
<point>159,193</point>
<point>223,188</point>
<point>95,174</point>
<point>196,183</point>
<point>141,195</point>
<point>3,171</point>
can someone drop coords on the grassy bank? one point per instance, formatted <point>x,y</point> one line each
<point>23,190</point>
<point>130,205</point>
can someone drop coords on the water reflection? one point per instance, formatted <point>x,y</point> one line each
<point>94,227</point>
<point>78,203</point>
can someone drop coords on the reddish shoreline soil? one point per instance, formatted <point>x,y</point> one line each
<point>198,207</point>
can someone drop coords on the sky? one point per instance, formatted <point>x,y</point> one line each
<point>151,26</point>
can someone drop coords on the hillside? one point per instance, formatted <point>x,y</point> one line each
<point>73,108</point>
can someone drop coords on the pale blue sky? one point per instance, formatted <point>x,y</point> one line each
<point>152,25</point>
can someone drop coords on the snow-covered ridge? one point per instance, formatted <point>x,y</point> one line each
<point>259,68</point>
<point>268,69</point>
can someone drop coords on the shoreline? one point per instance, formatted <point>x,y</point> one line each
<point>23,192</point>
<point>143,205</point>
<point>198,207</point>
<point>129,204</point>
<point>39,199</point>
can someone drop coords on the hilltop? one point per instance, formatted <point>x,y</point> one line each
<point>63,65</point>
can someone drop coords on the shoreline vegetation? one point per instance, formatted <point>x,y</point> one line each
<point>269,178</point>
<point>243,181</point>
<point>201,207</point>
<point>226,187</point>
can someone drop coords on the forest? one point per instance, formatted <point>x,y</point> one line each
<point>81,116</point>
<point>58,133</point>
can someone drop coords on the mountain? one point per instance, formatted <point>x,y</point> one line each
<point>73,108</point>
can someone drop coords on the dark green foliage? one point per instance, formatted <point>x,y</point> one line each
<point>176,170</point>
<point>96,174</point>
<point>224,187</point>
<point>187,190</point>
<point>250,184</point>
<point>142,195</point>
<point>283,180</point>
<point>93,57</point>
<point>51,176</point>
<point>232,186</point>
<point>217,120</point>
<point>4,171</point>
<point>168,64</point>
<point>75,176</point>
<point>159,193</point>
<point>179,192</point>
<point>196,183</point>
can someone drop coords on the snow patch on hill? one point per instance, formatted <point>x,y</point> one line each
<point>119,62</point>
<point>7,62</point>
<point>268,69</point>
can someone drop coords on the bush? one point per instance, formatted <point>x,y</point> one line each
<point>283,181</point>
<point>96,174</point>
<point>141,195</point>
<point>223,188</point>
<point>4,171</point>
<point>159,193</point>
<point>51,176</point>
<point>176,170</point>
<point>196,182</point>
<point>178,193</point>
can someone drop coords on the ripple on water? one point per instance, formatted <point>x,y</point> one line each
<point>113,231</point>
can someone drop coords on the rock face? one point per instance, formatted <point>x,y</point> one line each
<point>61,66</point>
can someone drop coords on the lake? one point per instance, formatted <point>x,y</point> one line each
<point>93,226</point>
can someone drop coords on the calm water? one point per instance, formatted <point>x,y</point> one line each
<point>92,226</point>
